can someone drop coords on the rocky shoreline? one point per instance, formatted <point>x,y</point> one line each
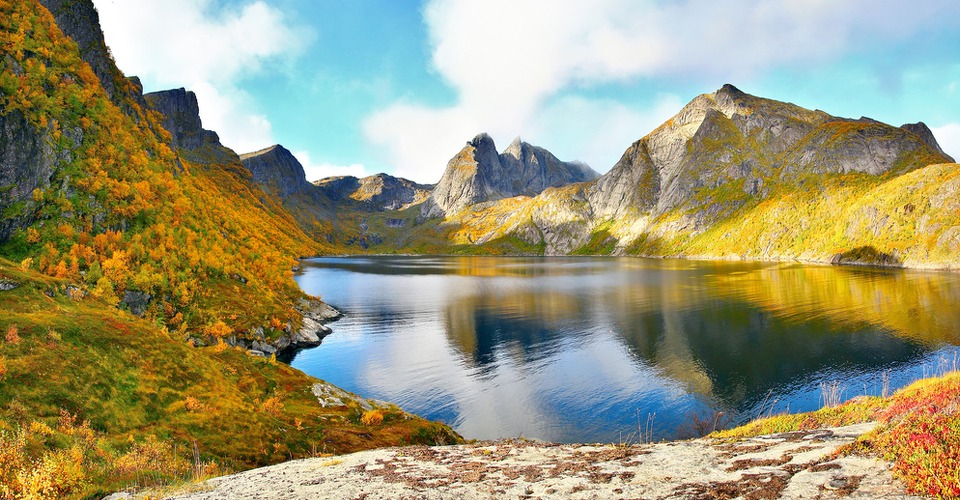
<point>802,464</point>
<point>313,328</point>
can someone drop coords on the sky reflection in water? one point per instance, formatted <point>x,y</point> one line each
<point>580,349</point>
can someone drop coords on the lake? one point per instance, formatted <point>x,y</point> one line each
<point>620,349</point>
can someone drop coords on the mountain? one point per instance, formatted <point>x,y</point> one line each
<point>181,117</point>
<point>334,210</point>
<point>379,192</point>
<point>731,137</point>
<point>144,279</point>
<point>276,169</point>
<point>479,174</point>
<point>735,176</point>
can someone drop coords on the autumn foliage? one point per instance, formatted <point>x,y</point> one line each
<point>125,212</point>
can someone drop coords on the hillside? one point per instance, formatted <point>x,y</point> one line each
<point>135,250</point>
<point>733,176</point>
<point>94,400</point>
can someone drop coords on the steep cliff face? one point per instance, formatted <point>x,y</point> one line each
<point>181,117</point>
<point>921,130</point>
<point>478,174</point>
<point>28,160</point>
<point>276,168</point>
<point>80,22</point>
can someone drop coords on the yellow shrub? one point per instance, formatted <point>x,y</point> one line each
<point>273,406</point>
<point>151,462</point>
<point>219,330</point>
<point>372,417</point>
<point>56,474</point>
<point>193,404</point>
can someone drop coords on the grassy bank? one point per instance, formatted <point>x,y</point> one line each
<point>919,431</point>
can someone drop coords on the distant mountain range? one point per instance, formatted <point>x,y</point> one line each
<point>723,161</point>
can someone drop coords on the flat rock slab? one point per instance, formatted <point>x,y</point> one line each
<point>790,465</point>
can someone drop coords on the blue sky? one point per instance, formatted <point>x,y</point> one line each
<point>398,86</point>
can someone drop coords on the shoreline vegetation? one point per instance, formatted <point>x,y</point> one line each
<point>95,400</point>
<point>917,429</point>
<point>846,260</point>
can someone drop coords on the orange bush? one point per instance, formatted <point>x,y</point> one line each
<point>12,337</point>
<point>372,417</point>
<point>273,406</point>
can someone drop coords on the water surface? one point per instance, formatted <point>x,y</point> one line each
<point>591,349</point>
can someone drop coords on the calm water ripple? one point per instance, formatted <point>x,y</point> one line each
<point>588,349</point>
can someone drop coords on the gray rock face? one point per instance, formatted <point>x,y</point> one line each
<point>7,284</point>
<point>729,138</point>
<point>28,161</point>
<point>78,19</point>
<point>921,130</point>
<point>277,168</point>
<point>313,330</point>
<point>182,119</point>
<point>137,301</point>
<point>479,174</point>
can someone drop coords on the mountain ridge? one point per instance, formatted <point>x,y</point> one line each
<point>478,173</point>
<point>723,156</point>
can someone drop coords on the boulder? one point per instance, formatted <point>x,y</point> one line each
<point>136,301</point>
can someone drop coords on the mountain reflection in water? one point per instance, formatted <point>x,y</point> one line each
<point>581,349</point>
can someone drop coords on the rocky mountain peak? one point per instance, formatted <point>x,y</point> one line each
<point>182,118</point>
<point>921,130</point>
<point>515,148</point>
<point>275,168</point>
<point>478,174</point>
<point>730,136</point>
<point>482,141</point>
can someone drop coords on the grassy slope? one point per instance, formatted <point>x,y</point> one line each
<point>131,379</point>
<point>919,430</point>
<point>124,212</point>
<point>913,217</point>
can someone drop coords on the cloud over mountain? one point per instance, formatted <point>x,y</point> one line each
<point>509,60</point>
<point>209,49</point>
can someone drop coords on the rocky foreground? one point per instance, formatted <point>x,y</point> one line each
<point>790,465</point>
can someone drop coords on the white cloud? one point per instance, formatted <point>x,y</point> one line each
<point>227,114</point>
<point>193,44</point>
<point>948,136</point>
<point>507,59</point>
<point>420,140</point>
<point>316,171</point>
